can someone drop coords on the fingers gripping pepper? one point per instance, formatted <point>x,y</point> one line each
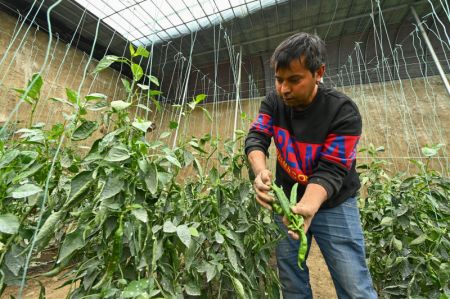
<point>282,206</point>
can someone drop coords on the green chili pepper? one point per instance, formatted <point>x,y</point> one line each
<point>293,199</point>
<point>296,222</point>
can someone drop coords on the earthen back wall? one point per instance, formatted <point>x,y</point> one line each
<point>65,68</point>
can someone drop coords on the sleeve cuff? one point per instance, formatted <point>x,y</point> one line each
<point>326,185</point>
<point>256,147</point>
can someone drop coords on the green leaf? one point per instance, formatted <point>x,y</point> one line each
<point>34,89</point>
<point>72,242</point>
<point>72,95</point>
<point>151,179</point>
<point>193,231</point>
<point>155,144</point>
<point>14,260</point>
<point>386,221</point>
<point>48,229</point>
<point>206,112</point>
<point>137,72</point>
<point>79,184</point>
<point>198,167</point>
<point>211,272</point>
<point>143,87</point>
<point>140,214</point>
<point>61,101</point>
<point>32,135</point>
<point>127,85</point>
<point>153,79</point>
<point>35,85</point>
<point>157,105</point>
<point>429,151</point>
<point>192,288</point>
<point>142,125</point>
<point>199,98</point>
<point>164,135</point>
<point>219,238</point>
<point>144,107</point>
<point>398,245</point>
<point>111,203</point>
<point>26,190</point>
<point>152,92</point>
<point>238,287</point>
<point>157,251</point>
<point>380,149</point>
<point>29,172</point>
<point>188,157</point>
<point>214,176</point>
<point>9,157</point>
<point>141,51</point>
<point>84,130</point>
<point>95,96</point>
<point>184,234</point>
<point>9,224</point>
<point>132,51</point>
<point>120,105</point>
<point>117,153</point>
<point>231,253</point>
<point>136,288</point>
<point>191,255</point>
<point>98,106</point>
<point>192,105</point>
<point>173,160</point>
<point>169,227</point>
<point>106,62</point>
<point>173,125</point>
<point>419,240</point>
<point>82,111</point>
<point>113,186</point>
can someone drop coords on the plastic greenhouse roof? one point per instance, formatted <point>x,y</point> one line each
<point>152,21</point>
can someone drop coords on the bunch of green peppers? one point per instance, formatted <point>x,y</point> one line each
<point>282,206</point>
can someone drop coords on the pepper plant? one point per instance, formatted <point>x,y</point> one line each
<point>406,219</point>
<point>126,224</point>
<point>24,164</point>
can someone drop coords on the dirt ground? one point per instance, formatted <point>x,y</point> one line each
<point>321,282</point>
<point>32,291</point>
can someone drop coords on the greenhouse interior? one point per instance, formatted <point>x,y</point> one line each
<point>124,134</point>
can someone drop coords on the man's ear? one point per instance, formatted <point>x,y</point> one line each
<point>319,73</point>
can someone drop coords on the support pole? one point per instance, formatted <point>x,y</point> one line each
<point>238,96</point>
<point>430,48</point>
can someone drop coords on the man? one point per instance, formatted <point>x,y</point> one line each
<point>315,130</point>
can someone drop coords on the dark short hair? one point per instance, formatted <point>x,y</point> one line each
<point>296,46</point>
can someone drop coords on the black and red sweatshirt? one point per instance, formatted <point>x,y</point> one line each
<point>315,145</point>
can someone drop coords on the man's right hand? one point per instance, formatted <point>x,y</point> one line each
<point>262,184</point>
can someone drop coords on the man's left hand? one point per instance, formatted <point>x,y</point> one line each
<point>307,211</point>
<point>308,206</point>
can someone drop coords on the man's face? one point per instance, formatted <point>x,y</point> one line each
<point>296,85</point>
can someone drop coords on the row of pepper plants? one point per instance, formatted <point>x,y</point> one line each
<point>124,219</point>
<point>136,218</point>
<point>406,221</point>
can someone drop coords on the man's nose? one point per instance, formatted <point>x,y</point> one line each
<point>285,88</point>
